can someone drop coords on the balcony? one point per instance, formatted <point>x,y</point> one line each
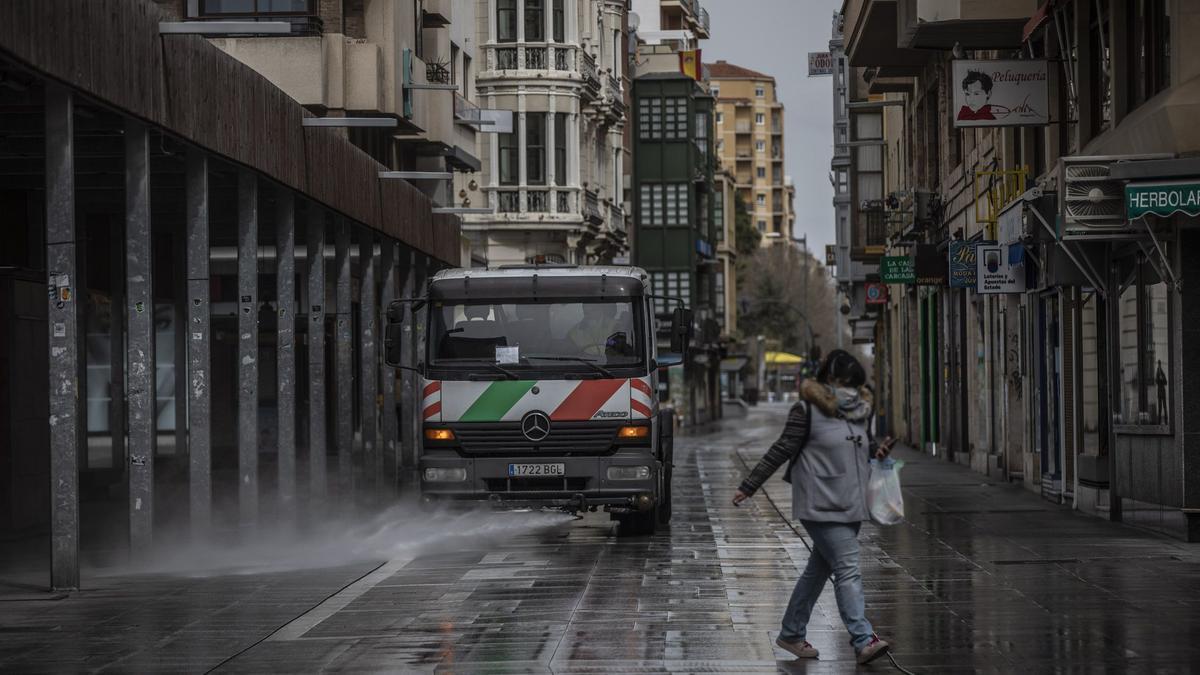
<point>437,13</point>
<point>940,24</point>
<point>591,76</point>
<point>743,127</point>
<point>303,24</point>
<point>506,58</point>
<point>537,201</point>
<point>870,28</point>
<point>591,208</point>
<point>703,24</point>
<point>535,58</point>
<point>437,73</point>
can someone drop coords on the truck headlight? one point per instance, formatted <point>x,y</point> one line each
<point>445,475</point>
<point>628,472</point>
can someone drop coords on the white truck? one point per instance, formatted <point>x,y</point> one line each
<point>538,387</point>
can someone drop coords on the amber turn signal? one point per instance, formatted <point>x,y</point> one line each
<point>633,432</point>
<point>439,435</point>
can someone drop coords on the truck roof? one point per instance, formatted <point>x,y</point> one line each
<point>539,281</point>
<point>520,271</point>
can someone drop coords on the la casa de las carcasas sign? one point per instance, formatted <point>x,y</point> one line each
<point>1162,199</point>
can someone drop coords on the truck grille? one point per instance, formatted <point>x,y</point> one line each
<point>566,438</point>
<point>527,484</point>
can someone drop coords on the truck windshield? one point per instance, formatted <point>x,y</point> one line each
<point>574,335</point>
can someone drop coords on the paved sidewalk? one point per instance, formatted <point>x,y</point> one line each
<point>985,572</point>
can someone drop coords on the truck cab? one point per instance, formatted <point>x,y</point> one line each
<point>538,388</point>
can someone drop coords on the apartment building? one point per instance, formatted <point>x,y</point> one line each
<point>552,185</point>
<point>192,285</point>
<point>749,132</point>
<point>412,62</point>
<point>1071,375</point>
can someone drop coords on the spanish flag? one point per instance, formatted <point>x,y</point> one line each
<point>690,64</point>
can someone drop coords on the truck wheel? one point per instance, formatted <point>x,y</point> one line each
<point>639,524</point>
<point>664,493</point>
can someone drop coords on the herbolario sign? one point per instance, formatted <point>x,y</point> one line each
<point>1162,199</point>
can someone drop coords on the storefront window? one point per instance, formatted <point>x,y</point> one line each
<point>1144,363</point>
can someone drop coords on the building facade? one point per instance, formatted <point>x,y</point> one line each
<point>192,286</point>
<point>1073,380</point>
<point>553,183</point>
<point>750,144</point>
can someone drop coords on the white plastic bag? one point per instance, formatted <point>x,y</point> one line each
<point>884,501</point>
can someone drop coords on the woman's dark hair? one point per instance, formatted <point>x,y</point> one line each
<point>841,366</point>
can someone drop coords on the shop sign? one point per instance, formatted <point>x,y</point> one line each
<point>1001,93</point>
<point>877,294</point>
<point>820,63</point>
<point>963,272</point>
<point>1162,199</point>
<point>897,269</point>
<point>830,256</point>
<point>931,267</point>
<point>997,274</point>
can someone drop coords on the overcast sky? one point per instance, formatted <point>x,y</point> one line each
<point>774,37</point>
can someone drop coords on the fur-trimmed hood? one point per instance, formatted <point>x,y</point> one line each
<point>824,399</point>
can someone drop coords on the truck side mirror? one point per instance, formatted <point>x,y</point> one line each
<point>681,330</point>
<point>393,335</point>
<point>393,341</point>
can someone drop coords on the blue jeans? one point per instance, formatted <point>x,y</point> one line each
<point>835,551</point>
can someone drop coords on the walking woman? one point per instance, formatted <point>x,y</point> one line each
<point>826,446</point>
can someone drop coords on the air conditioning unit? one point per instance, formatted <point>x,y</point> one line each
<point>1091,201</point>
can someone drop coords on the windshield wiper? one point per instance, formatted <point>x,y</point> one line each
<point>575,359</point>
<point>483,362</point>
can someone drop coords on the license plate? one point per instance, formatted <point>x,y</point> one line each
<point>537,470</point>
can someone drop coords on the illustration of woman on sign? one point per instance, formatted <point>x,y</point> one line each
<point>977,92</point>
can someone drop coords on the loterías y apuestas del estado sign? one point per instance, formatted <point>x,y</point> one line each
<point>1162,199</point>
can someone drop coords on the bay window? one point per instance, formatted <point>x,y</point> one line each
<point>510,166</point>
<point>506,20</point>
<point>535,21</point>
<point>559,20</point>
<point>535,148</point>
<point>560,148</point>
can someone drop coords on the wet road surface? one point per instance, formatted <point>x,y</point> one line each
<point>984,577</point>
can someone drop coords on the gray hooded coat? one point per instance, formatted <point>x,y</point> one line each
<point>829,477</point>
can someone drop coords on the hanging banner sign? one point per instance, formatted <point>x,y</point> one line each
<point>1162,199</point>
<point>931,266</point>
<point>897,269</point>
<point>997,274</point>
<point>963,272</point>
<point>1001,93</point>
<point>820,63</point>
<point>877,294</point>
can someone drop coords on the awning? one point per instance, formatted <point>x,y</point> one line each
<point>783,359</point>
<point>1035,22</point>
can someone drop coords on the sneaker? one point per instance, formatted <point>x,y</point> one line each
<point>801,649</point>
<point>874,649</point>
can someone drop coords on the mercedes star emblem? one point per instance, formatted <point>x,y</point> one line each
<point>535,426</point>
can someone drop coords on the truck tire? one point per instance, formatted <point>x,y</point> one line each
<point>643,523</point>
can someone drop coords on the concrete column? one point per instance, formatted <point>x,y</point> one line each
<point>285,349</point>
<point>247,365</point>
<point>409,421</point>
<point>199,408</point>
<point>343,364</point>
<point>315,270</point>
<point>389,428</point>
<point>368,362</point>
<point>139,288</point>
<point>66,411</point>
<point>521,22</point>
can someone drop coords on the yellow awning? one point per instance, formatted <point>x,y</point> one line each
<point>783,359</point>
